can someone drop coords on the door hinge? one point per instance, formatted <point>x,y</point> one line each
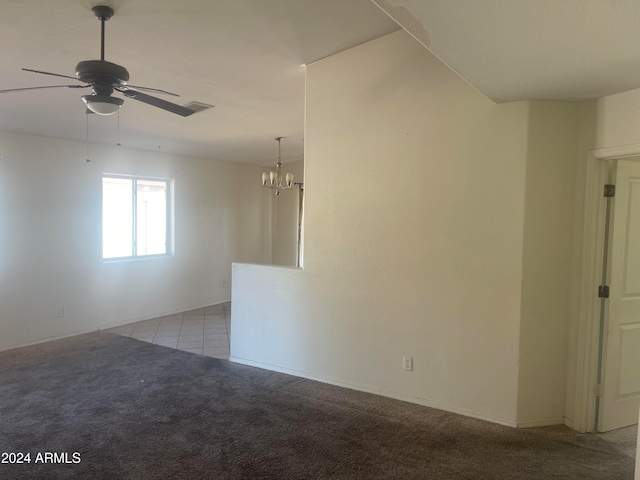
<point>609,191</point>
<point>599,390</point>
<point>603,291</point>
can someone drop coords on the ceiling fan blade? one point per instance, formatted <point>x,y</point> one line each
<point>147,89</point>
<point>156,102</point>
<point>49,73</point>
<point>39,88</point>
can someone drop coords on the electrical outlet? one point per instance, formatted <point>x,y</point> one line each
<point>225,284</point>
<point>407,364</point>
<point>62,312</point>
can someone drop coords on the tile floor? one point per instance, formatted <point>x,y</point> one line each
<point>204,331</point>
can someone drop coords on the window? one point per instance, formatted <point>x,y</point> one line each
<point>135,217</point>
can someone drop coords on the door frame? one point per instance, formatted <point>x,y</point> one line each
<point>588,321</point>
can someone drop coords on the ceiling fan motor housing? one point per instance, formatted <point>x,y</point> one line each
<point>101,72</point>
<point>103,76</point>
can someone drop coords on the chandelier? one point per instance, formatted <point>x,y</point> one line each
<point>274,179</point>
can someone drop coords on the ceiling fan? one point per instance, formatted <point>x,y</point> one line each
<point>104,78</point>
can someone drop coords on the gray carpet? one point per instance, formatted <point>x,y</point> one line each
<point>134,410</point>
<point>623,439</point>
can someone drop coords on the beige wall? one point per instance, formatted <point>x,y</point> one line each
<point>547,261</point>
<point>447,237</point>
<point>607,123</point>
<point>618,122</point>
<point>413,249</point>
<point>51,245</point>
<point>587,114</point>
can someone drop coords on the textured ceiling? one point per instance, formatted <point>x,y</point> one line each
<point>246,58</point>
<point>514,50</point>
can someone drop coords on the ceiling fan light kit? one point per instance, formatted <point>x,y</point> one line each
<point>106,77</point>
<point>102,104</point>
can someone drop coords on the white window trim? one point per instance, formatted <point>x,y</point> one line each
<point>169,237</point>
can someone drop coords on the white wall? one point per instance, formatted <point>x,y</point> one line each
<point>285,230</point>
<point>447,236</point>
<point>586,141</point>
<point>413,248</point>
<point>607,123</point>
<point>618,122</point>
<point>50,237</point>
<point>547,261</point>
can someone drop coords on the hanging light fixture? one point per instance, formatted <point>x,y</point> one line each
<point>274,179</point>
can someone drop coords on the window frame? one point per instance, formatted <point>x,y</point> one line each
<point>169,240</point>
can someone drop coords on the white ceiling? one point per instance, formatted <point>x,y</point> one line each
<point>245,57</point>
<point>242,56</point>
<point>531,49</point>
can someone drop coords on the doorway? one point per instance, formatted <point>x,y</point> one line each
<point>618,379</point>
<point>607,394</point>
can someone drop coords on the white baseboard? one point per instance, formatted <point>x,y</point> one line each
<point>107,326</point>
<point>448,408</point>
<point>376,391</point>
<point>37,342</point>
<point>543,422</point>
<point>309,376</point>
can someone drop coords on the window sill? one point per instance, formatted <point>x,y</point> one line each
<point>135,259</point>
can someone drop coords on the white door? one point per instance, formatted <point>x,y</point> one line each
<point>621,382</point>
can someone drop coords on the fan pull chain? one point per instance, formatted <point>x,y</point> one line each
<point>118,144</point>
<point>87,159</point>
